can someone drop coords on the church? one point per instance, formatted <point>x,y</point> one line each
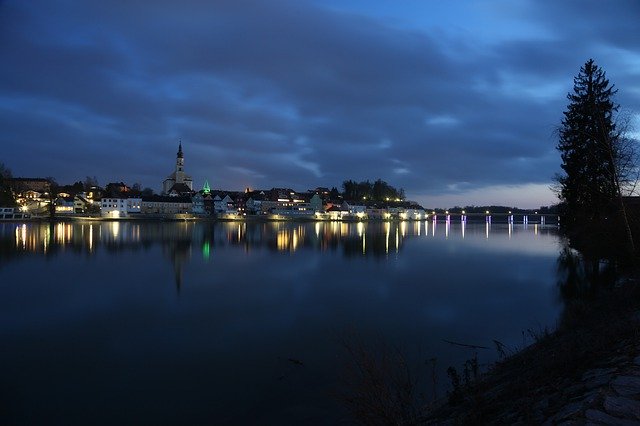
<point>178,182</point>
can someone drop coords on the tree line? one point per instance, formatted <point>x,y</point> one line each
<point>373,191</point>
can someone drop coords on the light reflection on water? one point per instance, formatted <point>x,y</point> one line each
<point>168,317</point>
<point>289,237</point>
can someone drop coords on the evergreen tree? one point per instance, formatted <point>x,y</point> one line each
<point>595,156</point>
<point>6,194</point>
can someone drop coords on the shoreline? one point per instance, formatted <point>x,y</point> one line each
<point>259,219</point>
<point>585,371</point>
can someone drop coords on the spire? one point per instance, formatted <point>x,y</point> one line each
<point>180,155</point>
<point>205,188</point>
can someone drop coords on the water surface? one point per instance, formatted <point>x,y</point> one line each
<point>227,323</point>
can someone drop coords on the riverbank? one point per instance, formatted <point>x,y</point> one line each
<point>587,371</point>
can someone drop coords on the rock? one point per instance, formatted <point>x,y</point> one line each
<point>627,385</point>
<point>621,406</point>
<point>598,372</point>
<point>588,398</point>
<point>598,381</point>
<point>568,411</point>
<point>542,405</point>
<point>573,390</point>
<point>600,417</point>
<point>621,359</point>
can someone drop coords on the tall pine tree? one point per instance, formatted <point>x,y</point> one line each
<point>6,194</point>
<point>593,156</point>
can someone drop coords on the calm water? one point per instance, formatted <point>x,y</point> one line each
<point>227,323</point>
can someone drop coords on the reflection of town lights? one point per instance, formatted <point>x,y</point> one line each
<point>115,229</point>
<point>24,235</point>
<point>387,229</point>
<point>397,240</point>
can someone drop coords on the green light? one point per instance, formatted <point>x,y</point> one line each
<point>206,250</point>
<point>206,189</point>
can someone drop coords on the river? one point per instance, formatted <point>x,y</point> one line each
<point>233,323</point>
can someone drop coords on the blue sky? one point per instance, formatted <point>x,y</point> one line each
<point>457,102</point>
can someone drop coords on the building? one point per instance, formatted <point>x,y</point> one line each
<point>81,204</point>
<point>64,205</point>
<point>120,207</point>
<point>202,201</point>
<point>178,183</point>
<point>223,204</point>
<point>11,213</point>
<point>253,202</point>
<point>164,205</point>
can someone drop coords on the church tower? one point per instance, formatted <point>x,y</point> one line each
<point>180,165</point>
<point>179,161</point>
<point>178,182</point>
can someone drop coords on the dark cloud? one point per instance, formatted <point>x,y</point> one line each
<point>290,93</point>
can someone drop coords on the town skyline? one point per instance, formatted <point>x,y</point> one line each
<point>458,104</point>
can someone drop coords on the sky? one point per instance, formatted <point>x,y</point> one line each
<point>456,102</point>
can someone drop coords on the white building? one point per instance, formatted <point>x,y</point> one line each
<point>120,207</point>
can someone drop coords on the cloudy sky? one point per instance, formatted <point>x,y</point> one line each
<point>456,102</point>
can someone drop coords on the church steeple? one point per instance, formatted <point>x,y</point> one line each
<point>180,165</point>
<point>178,177</point>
